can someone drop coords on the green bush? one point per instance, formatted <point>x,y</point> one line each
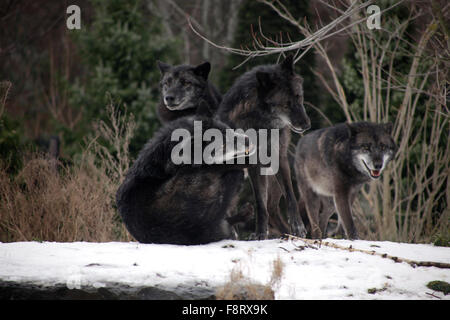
<point>119,50</point>
<point>438,285</point>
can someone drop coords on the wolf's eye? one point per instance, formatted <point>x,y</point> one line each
<point>185,83</point>
<point>365,147</point>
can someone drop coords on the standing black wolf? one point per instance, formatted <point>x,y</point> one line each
<point>183,88</point>
<point>269,97</point>
<point>331,166</point>
<point>161,202</point>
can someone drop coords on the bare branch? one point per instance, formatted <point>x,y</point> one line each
<point>280,47</point>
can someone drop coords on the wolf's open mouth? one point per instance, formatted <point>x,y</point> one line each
<point>373,173</point>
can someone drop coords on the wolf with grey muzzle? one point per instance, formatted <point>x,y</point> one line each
<point>269,97</point>
<point>331,166</point>
<point>183,89</point>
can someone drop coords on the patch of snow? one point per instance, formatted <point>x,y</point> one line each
<point>321,273</point>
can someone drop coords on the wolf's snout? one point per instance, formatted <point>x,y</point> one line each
<point>306,125</point>
<point>169,100</point>
<point>377,165</point>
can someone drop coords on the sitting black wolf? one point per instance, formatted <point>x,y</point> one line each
<point>269,97</point>
<point>331,166</point>
<point>161,202</point>
<point>182,89</point>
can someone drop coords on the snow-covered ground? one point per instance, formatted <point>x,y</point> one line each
<point>321,273</point>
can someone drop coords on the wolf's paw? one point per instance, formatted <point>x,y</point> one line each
<point>298,230</point>
<point>353,235</point>
<point>258,236</point>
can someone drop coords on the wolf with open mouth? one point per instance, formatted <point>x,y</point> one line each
<point>332,164</point>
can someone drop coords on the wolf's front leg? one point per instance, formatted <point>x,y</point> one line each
<point>296,225</point>
<point>259,186</point>
<point>312,204</point>
<point>343,207</point>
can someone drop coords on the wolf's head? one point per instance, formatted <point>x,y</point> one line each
<point>372,147</point>
<point>183,85</point>
<point>281,91</point>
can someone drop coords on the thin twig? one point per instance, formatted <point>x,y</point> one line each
<point>280,47</point>
<point>434,296</point>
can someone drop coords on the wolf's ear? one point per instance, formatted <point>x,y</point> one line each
<point>264,81</point>
<point>351,130</point>
<point>288,63</point>
<point>203,70</point>
<point>163,67</point>
<point>387,127</point>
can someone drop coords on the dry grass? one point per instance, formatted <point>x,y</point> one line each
<point>411,202</point>
<point>241,287</point>
<point>74,203</point>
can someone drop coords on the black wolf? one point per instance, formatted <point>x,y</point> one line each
<point>161,202</point>
<point>182,89</point>
<point>269,97</point>
<point>331,166</point>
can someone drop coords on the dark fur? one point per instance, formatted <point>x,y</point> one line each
<point>186,83</point>
<point>269,97</point>
<point>330,173</point>
<point>161,202</point>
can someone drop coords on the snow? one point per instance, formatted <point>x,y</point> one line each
<point>312,273</point>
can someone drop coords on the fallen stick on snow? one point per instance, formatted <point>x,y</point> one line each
<point>413,263</point>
